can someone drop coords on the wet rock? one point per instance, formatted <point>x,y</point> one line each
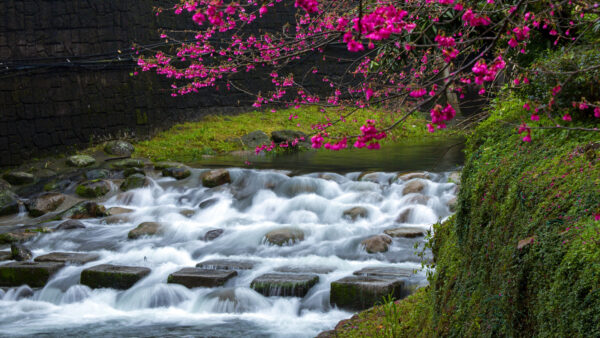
<point>284,236</point>
<point>9,203</point>
<point>93,189</point>
<point>378,178</point>
<point>361,292</point>
<point>410,176</point>
<point>289,136</point>
<point>5,256</point>
<point>113,276</point>
<point>226,264</point>
<point>418,199</point>
<point>413,187</point>
<point>80,161</point>
<point>356,212</point>
<point>131,171</point>
<point>454,177</point>
<point>178,173</point>
<point>119,148</point>
<point>117,219</point>
<point>68,258</point>
<point>197,277</point>
<point>128,163</point>
<point>134,181</point>
<point>376,244</point>
<point>70,224</point>
<point>255,139</point>
<point>85,209</point>
<point>452,204</point>
<point>114,211</point>
<point>97,174</point>
<point>213,234</point>
<point>208,203</point>
<point>165,165</point>
<point>44,203</point>
<point>187,213</point>
<point>284,284</point>
<point>34,274</point>
<point>20,253</point>
<point>385,272</point>
<point>16,237</point>
<point>57,185</point>
<point>407,232</point>
<point>404,216</point>
<point>321,270</point>
<point>19,178</point>
<point>145,229</point>
<point>215,178</point>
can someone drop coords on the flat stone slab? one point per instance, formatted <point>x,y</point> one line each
<point>284,284</point>
<point>320,270</point>
<point>408,232</point>
<point>113,276</point>
<point>362,292</point>
<point>198,277</point>
<point>225,264</point>
<point>34,274</point>
<point>384,272</point>
<point>68,258</point>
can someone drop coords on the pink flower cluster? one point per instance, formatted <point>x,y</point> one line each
<point>483,73</point>
<point>310,6</point>
<point>439,116</point>
<point>524,128</point>
<point>370,136</point>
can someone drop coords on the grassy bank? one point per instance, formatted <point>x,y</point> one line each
<point>219,134</point>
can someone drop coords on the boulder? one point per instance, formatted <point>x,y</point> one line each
<point>9,204</point>
<point>113,276</point>
<point>412,187</point>
<point>34,274</point>
<point>20,253</point>
<point>57,185</point>
<point>5,256</point>
<point>197,277</point>
<point>114,211</point>
<point>284,236</point>
<point>214,178</point>
<point>226,264</point>
<point>68,258</point>
<point>418,199</point>
<point>145,229</point>
<point>93,189</point>
<point>376,244</point>
<point>357,293</point>
<point>404,216</point>
<point>385,272</point>
<point>84,209</point>
<point>19,178</point>
<point>80,161</point>
<point>131,171</point>
<point>452,204</point>
<point>356,212</point>
<point>16,237</point>
<point>378,178</point>
<point>178,173</point>
<point>97,174</point>
<point>119,148</point>
<point>44,203</point>
<point>255,139</point>
<point>128,163</point>
<point>284,284</point>
<point>70,224</point>
<point>321,270</point>
<point>208,203</point>
<point>410,176</point>
<point>213,234</point>
<point>279,136</point>
<point>407,232</point>
<point>134,181</point>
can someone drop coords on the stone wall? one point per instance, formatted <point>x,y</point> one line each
<point>56,96</point>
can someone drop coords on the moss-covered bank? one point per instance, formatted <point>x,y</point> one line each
<point>521,257</point>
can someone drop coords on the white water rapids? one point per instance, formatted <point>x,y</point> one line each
<point>256,202</point>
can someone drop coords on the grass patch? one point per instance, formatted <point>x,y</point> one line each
<point>216,135</point>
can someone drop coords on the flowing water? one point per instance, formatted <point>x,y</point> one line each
<point>256,202</point>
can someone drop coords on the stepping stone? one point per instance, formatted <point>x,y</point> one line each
<point>225,264</point>
<point>34,274</point>
<point>68,257</point>
<point>321,270</point>
<point>284,284</point>
<point>113,276</point>
<point>391,272</point>
<point>361,292</point>
<point>407,232</point>
<point>197,277</point>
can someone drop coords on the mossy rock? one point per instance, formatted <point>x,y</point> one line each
<point>97,174</point>
<point>57,185</point>
<point>84,209</point>
<point>197,277</point>
<point>128,163</point>
<point>360,292</point>
<point>45,203</point>
<point>34,274</point>
<point>93,189</point>
<point>134,181</point>
<point>132,171</point>
<point>165,165</point>
<point>113,276</point>
<point>118,147</point>
<point>81,161</point>
<point>19,178</point>
<point>178,173</point>
<point>8,202</point>
<point>16,237</point>
<point>284,284</point>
